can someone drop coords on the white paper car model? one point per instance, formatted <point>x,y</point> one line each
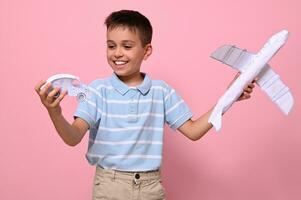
<point>252,66</point>
<point>71,84</point>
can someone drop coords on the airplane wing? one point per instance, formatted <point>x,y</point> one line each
<point>233,56</point>
<point>273,86</point>
<point>268,80</point>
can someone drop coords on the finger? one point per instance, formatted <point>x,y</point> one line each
<point>251,85</point>
<point>53,93</point>
<point>240,98</point>
<point>243,98</point>
<point>248,90</point>
<point>60,98</point>
<point>246,95</point>
<point>39,85</point>
<point>43,92</point>
<point>255,80</point>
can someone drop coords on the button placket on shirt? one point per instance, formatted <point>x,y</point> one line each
<point>133,106</point>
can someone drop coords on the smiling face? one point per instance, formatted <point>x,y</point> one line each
<point>125,53</point>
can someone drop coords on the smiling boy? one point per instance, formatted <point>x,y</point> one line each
<point>125,114</point>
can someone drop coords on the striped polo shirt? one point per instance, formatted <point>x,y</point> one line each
<point>126,123</point>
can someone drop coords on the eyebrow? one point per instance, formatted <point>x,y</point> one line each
<point>123,41</point>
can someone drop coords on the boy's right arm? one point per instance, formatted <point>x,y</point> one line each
<point>71,134</point>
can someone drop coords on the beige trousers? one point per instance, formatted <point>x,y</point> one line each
<point>117,185</point>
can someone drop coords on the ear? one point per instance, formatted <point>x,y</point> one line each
<point>148,51</point>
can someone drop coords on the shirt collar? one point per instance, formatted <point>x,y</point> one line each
<point>122,88</point>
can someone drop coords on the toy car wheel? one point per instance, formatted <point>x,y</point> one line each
<point>81,96</point>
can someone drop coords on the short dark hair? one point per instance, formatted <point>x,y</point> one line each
<point>134,21</point>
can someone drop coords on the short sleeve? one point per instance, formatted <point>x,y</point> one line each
<point>177,111</point>
<point>90,108</point>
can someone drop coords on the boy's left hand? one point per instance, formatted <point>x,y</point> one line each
<point>247,90</point>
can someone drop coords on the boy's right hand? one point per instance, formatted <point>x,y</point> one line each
<point>48,97</point>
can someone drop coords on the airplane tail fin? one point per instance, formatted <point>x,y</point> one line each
<point>216,119</point>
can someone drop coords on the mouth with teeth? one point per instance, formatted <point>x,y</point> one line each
<point>120,63</point>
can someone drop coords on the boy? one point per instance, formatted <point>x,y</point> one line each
<point>126,113</point>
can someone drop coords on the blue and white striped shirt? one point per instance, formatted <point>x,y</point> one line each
<point>126,124</point>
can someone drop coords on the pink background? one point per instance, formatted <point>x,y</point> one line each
<point>255,156</point>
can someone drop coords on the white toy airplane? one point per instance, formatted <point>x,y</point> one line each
<point>252,66</point>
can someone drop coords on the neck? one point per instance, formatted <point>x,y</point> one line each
<point>133,79</point>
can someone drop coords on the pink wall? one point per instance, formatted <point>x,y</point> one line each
<point>255,156</point>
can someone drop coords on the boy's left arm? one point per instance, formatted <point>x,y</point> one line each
<point>195,129</point>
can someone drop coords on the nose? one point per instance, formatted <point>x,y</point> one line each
<point>118,53</point>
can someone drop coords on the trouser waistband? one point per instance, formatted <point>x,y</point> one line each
<point>141,176</point>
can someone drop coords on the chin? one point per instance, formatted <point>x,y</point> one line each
<point>121,73</point>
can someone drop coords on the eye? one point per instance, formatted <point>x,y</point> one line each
<point>110,46</point>
<point>127,46</point>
